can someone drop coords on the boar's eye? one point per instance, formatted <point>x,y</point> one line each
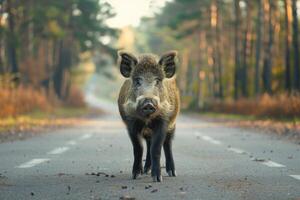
<point>137,82</point>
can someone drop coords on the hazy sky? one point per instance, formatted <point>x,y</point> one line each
<point>130,12</point>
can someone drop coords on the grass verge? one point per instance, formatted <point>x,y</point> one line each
<point>287,127</point>
<point>22,126</point>
<point>225,116</point>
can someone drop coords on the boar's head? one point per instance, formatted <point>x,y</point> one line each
<point>148,76</point>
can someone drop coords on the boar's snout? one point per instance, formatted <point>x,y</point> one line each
<point>147,106</point>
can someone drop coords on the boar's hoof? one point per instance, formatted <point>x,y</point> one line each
<point>146,170</point>
<point>157,178</point>
<point>136,173</point>
<point>172,173</point>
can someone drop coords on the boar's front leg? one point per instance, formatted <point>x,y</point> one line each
<point>148,156</point>
<point>159,134</point>
<point>134,129</point>
<point>170,166</point>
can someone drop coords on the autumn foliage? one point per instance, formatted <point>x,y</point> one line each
<point>75,98</point>
<point>283,105</point>
<point>21,100</point>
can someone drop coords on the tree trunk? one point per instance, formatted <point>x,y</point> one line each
<point>183,70</point>
<point>258,47</point>
<point>219,48</point>
<point>63,66</point>
<point>2,70</point>
<point>213,41</point>
<point>236,47</point>
<point>246,50</point>
<point>287,21</point>
<point>296,46</point>
<point>59,71</point>
<point>267,68</point>
<point>12,52</point>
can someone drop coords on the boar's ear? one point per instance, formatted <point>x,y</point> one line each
<point>127,61</point>
<point>168,62</point>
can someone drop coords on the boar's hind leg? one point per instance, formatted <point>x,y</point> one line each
<point>159,134</point>
<point>134,133</point>
<point>170,166</point>
<point>148,157</point>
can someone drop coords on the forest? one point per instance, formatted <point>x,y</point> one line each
<point>41,43</point>
<point>237,56</point>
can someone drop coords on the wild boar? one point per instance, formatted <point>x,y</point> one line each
<point>149,104</point>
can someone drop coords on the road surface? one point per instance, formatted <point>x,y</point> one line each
<point>93,161</point>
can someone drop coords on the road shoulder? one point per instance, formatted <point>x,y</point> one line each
<point>281,128</point>
<point>36,123</point>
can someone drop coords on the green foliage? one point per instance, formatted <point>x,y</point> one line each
<point>83,20</point>
<point>43,39</point>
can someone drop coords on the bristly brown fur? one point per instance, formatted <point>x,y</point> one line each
<point>148,63</point>
<point>149,104</point>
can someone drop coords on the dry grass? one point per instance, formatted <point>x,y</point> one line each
<point>75,98</point>
<point>287,128</point>
<point>19,100</point>
<point>28,110</point>
<point>38,122</point>
<point>59,116</point>
<point>280,106</point>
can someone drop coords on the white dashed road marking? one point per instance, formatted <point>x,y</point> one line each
<point>85,136</point>
<point>33,162</point>
<point>71,142</point>
<point>270,163</point>
<point>295,177</point>
<point>59,150</point>
<point>236,150</point>
<point>55,151</point>
<point>210,139</point>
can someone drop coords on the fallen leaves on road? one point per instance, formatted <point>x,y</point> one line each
<point>126,197</point>
<point>4,184</point>
<point>69,189</point>
<point>100,173</point>
<point>240,184</point>
<point>154,190</point>
<point>259,159</point>
<point>64,174</point>
<point>148,186</point>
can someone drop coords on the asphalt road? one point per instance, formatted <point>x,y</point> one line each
<point>93,161</point>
